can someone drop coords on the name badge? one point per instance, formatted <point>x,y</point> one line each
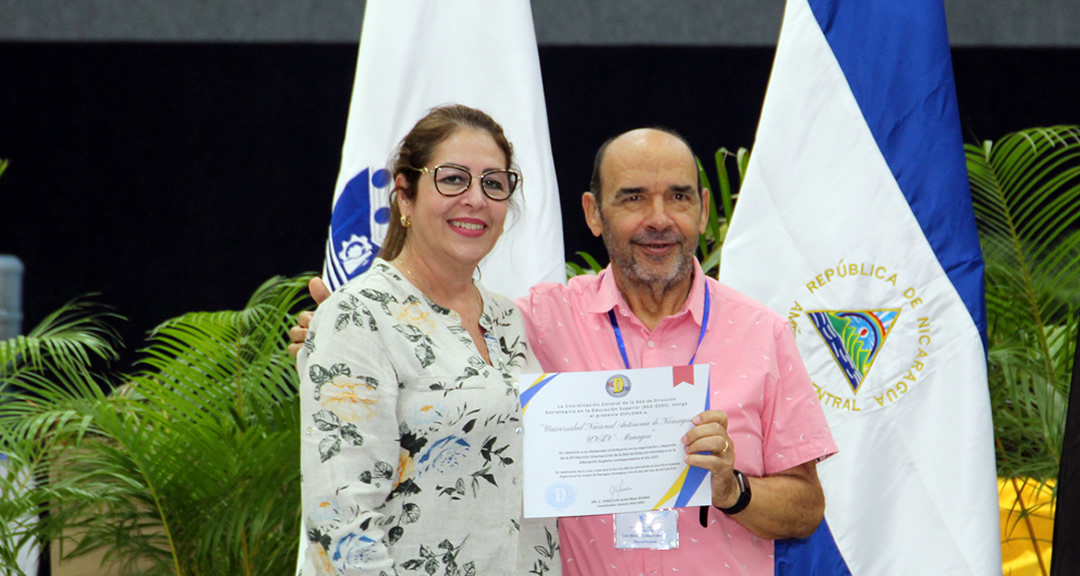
<point>652,530</point>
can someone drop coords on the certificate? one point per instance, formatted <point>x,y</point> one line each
<point>611,441</point>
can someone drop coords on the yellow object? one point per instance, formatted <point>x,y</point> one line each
<point>1022,517</point>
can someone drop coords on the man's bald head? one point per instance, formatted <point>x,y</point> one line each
<point>638,138</point>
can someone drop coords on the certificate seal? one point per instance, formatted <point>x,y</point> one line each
<point>560,495</point>
<point>618,386</point>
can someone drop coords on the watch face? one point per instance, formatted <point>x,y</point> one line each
<point>744,484</point>
<point>744,494</point>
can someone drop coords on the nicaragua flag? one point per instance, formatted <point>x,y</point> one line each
<point>418,54</point>
<point>855,222</point>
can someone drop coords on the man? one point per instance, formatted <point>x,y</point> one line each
<point>653,306</point>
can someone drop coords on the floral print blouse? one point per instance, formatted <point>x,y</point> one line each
<point>411,443</point>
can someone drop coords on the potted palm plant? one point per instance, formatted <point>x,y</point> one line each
<point>1026,193</point>
<point>188,466</point>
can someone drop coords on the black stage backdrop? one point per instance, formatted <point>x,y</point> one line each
<point>177,177</point>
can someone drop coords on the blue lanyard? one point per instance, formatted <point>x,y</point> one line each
<point>622,344</point>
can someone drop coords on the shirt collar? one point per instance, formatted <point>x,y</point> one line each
<point>608,296</point>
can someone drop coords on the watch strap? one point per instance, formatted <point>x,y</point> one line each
<point>744,494</point>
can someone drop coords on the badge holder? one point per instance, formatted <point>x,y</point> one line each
<point>652,530</point>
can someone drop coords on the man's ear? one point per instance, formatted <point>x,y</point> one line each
<point>592,214</point>
<point>704,211</point>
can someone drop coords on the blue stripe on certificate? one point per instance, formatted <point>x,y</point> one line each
<point>688,482</point>
<point>538,385</point>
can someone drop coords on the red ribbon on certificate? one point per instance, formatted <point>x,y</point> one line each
<point>682,375</point>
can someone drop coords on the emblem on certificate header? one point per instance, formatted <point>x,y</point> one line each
<point>618,386</point>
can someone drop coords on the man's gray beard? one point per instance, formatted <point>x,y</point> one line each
<point>678,269</point>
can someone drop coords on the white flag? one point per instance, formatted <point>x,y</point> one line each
<point>855,222</point>
<point>418,54</point>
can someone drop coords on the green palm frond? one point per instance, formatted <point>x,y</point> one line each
<point>191,466</point>
<point>68,339</point>
<point>1026,193</point>
<point>52,361</point>
<point>225,382</point>
<point>712,240</point>
<point>574,269</point>
<point>17,515</point>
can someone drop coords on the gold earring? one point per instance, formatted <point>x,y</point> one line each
<point>406,221</point>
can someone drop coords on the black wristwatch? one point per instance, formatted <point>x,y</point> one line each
<point>744,494</point>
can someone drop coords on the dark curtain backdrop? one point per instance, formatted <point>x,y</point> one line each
<point>177,177</point>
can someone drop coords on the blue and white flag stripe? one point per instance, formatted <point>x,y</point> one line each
<point>908,99</point>
<point>419,54</point>
<point>856,202</point>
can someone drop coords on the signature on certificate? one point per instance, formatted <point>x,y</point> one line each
<point>617,489</point>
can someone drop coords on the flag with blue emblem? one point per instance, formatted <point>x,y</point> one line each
<point>855,222</point>
<point>420,54</point>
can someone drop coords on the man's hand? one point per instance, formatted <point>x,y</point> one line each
<point>319,293</point>
<point>708,446</point>
<point>787,504</point>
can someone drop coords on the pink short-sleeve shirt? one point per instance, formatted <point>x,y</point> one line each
<point>774,417</point>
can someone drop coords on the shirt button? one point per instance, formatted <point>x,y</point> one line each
<point>518,431</point>
<point>651,344</point>
<point>515,481</point>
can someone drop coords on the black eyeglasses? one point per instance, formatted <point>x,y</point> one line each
<point>453,180</point>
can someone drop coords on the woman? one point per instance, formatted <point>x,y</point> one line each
<point>411,426</point>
